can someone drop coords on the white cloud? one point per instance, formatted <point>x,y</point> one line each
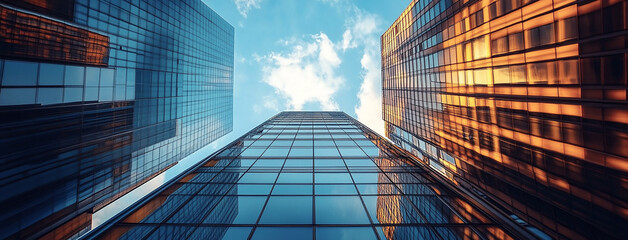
<point>369,109</point>
<point>306,74</point>
<point>244,6</point>
<point>363,31</point>
<point>309,72</point>
<point>347,40</point>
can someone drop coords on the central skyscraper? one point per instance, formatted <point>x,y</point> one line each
<point>99,96</point>
<point>309,175</point>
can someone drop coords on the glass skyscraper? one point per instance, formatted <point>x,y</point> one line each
<point>309,175</point>
<point>522,101</point>
<point>99,96</point>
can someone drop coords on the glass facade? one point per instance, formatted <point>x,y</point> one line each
<point>523,101</point>
<point>99,96</point>
<point>308,175</point>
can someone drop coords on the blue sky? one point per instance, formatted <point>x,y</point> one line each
<point>307,55</point>
<point>296,55</point>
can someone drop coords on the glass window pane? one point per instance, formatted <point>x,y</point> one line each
<point>282,233</point>
<point>340,210</point>
<point>286,177</point>
<point>247,210</point>
<point>515,41</point>
<point>518,74</point>
<point>568,71</point>
<point>120,76</point>
<point>276,152</point>
<point>332,178</point>
<point>280,189</point>
<point>92,76</point>
<point>299,163</point>
<point>50,74</point>
<point>501,75</point>
<point>268,163</point>
<point>221,233</point>
<point>47,96</point>
<point>120,93</point>
<point>301,152</point>
<point>72,94</point>
<point>303,143</point>
<point>335,189</point>
<point>326,152</point>
<point>329,163</point>
<point>257,189</point>
<point>18,73</point>
<point>351,152</point>
<point>288,210</point>
<point>396,202</point>
<point>258,178</point>
<point>359,163</point>
<point>74,75</point>
<point>345,233</point>
<point>368,177</point>
<point>17,96</point>
<point>106,94</point>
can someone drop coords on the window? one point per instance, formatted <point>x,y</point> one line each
<point>499,45</point>
<point>486,141</point>
<point>476,19</point>
<point>515,41</point>
<point>493,10</point>
<point>484,114</point>
<point>479,17</point>
<point>481,77</point>
<point>501,75</point>
<point>92,76</point>
<point>517,74</point>
<point>551,130</point>
<point>520,123</point>
<point>74,75</point>
<point>464,24</point>
<point>614,70</point>
<point>616,142</point>
<point>468,51</point>
<point>572,133</point>
<point>18,73</point>
<point>17,96</point>
<point>589,24</point>
<point>50,74</point>
<point>591,71</point>
<point>568,29</point>
<point>568,71</point>
<point>47,96</point>
<point>612,18</point>
<point>540,36</point>
<point>542,73</point>
<point>479,48</point>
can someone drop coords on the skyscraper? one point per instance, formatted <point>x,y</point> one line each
<point>99,96</point>
<point>523,101</point>
<point>309,175</point>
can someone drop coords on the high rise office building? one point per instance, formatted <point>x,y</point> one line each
<point>308,175</point>
<point>99,96</point>
<point>523,101</point>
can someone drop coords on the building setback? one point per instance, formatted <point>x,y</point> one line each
<point>99,96</point>
<point>523,101</point>
<point>308,175</point>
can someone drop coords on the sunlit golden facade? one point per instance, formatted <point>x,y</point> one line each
<point>523,100</point>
